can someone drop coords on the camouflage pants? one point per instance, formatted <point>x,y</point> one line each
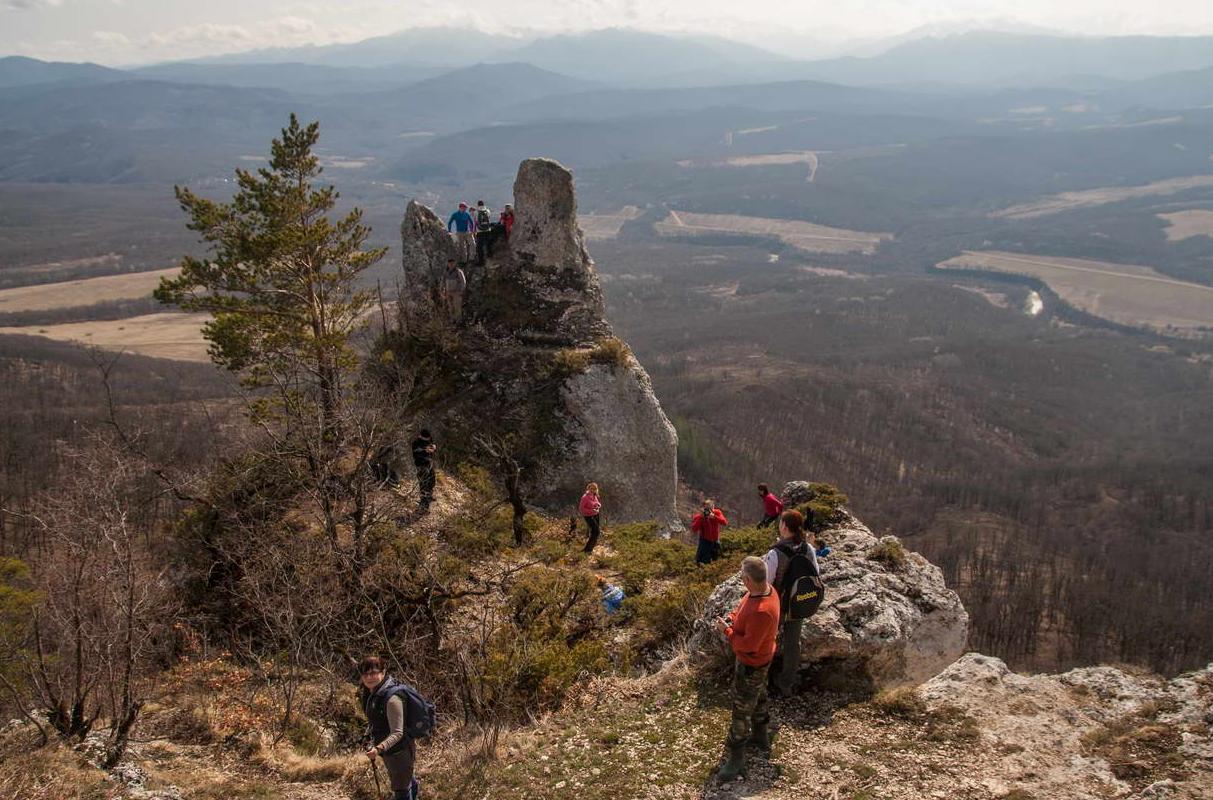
<point>749,702</point>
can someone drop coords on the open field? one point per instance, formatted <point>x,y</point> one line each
<point>1186,224</point>
<point>1069,201</point>
<point>803,235</point>
<point>1123,293</point>
<point>597,227</point>
<point>68,294</point>
<point>808,157</point>
<point>164,335</point>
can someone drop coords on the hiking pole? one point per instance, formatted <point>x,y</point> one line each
<point>375,774</point>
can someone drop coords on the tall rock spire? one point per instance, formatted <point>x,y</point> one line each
<point>537,368</point>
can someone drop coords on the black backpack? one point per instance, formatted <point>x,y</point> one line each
<point>801,590</point>
<point>420,716</point>
<point>483,218</point>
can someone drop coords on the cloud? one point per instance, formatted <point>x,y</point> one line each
<point>27,5</point>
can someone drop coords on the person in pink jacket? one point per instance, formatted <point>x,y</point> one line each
<point>590,507</point>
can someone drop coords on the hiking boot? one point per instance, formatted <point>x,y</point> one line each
<point>760,738</point>
<point>733,764</point>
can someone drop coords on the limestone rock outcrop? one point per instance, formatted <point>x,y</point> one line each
<point>533,367</point>
<point>888,618</point>
<point>1092,732</point>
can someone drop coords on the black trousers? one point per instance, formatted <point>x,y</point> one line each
<point>593,524</point>
<point>767,520</point>
<point>400,771</point>
<point>426,479</point>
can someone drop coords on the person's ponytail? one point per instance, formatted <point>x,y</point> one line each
<point>794,521</point>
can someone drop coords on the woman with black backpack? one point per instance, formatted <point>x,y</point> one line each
<point>383,701</point>
<point>791,544</point>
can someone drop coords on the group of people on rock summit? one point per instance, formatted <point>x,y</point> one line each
<point>782,589</point>
<point>475,233</point>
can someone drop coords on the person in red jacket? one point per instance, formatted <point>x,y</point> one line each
<point>707,523</point>
<point>751,631</point>
<point>772,506</point>
<point>590,507</point>
<point>507,220</point>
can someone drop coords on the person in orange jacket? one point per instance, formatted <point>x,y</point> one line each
<point>751,631</point>
<point>707,522</point>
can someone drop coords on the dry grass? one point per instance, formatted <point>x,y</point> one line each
<point>1124,293</point>
<point>1186,224</point>
<point>294,767</point>
<point>1068,201</point>
<point>164,335</point>
<point>68,294</point>
<point>48,773</point>
<point>903,703</point>
<point>597,227</point>
<point>802,235</point>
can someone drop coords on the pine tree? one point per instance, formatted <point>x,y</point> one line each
<point>281,285</point>
<point>280,281</point>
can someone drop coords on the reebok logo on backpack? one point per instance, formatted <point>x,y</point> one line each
<point>802,590</point>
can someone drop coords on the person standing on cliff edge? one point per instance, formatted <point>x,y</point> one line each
<point>590,508</point>
<point>463,225</point>
<point>751,631</point>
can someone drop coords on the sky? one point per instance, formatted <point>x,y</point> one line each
<point>124,32</point>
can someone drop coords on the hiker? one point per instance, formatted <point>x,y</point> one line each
<point>383,466</point>
<point>791,543</point>
<point>612,596</point>
<point>707,522</point>
<point>487,233</point>
<point>751,631</point>
<point>484,215</point>
<point>423,459</point>
<point>590,507</point>
<point>464,225</point>
<point>772,506</point>
<point>386,713</point>
<point>454,283</point>
<point>507,220</point>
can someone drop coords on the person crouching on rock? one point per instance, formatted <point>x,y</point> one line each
<point>751,631</point>
<point>387,718</point>
<point>772,506</point>
<point>590,507</point>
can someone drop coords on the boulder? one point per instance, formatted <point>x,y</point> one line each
<point>887,619</point>
<point>1056,736</point>
<point>535,366</point>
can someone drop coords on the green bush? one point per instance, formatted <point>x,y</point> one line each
<point>641,555</point>
<point>553,637</point>
<point>736,543</point>
<point>824,508</point>
<point>890,552</point>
